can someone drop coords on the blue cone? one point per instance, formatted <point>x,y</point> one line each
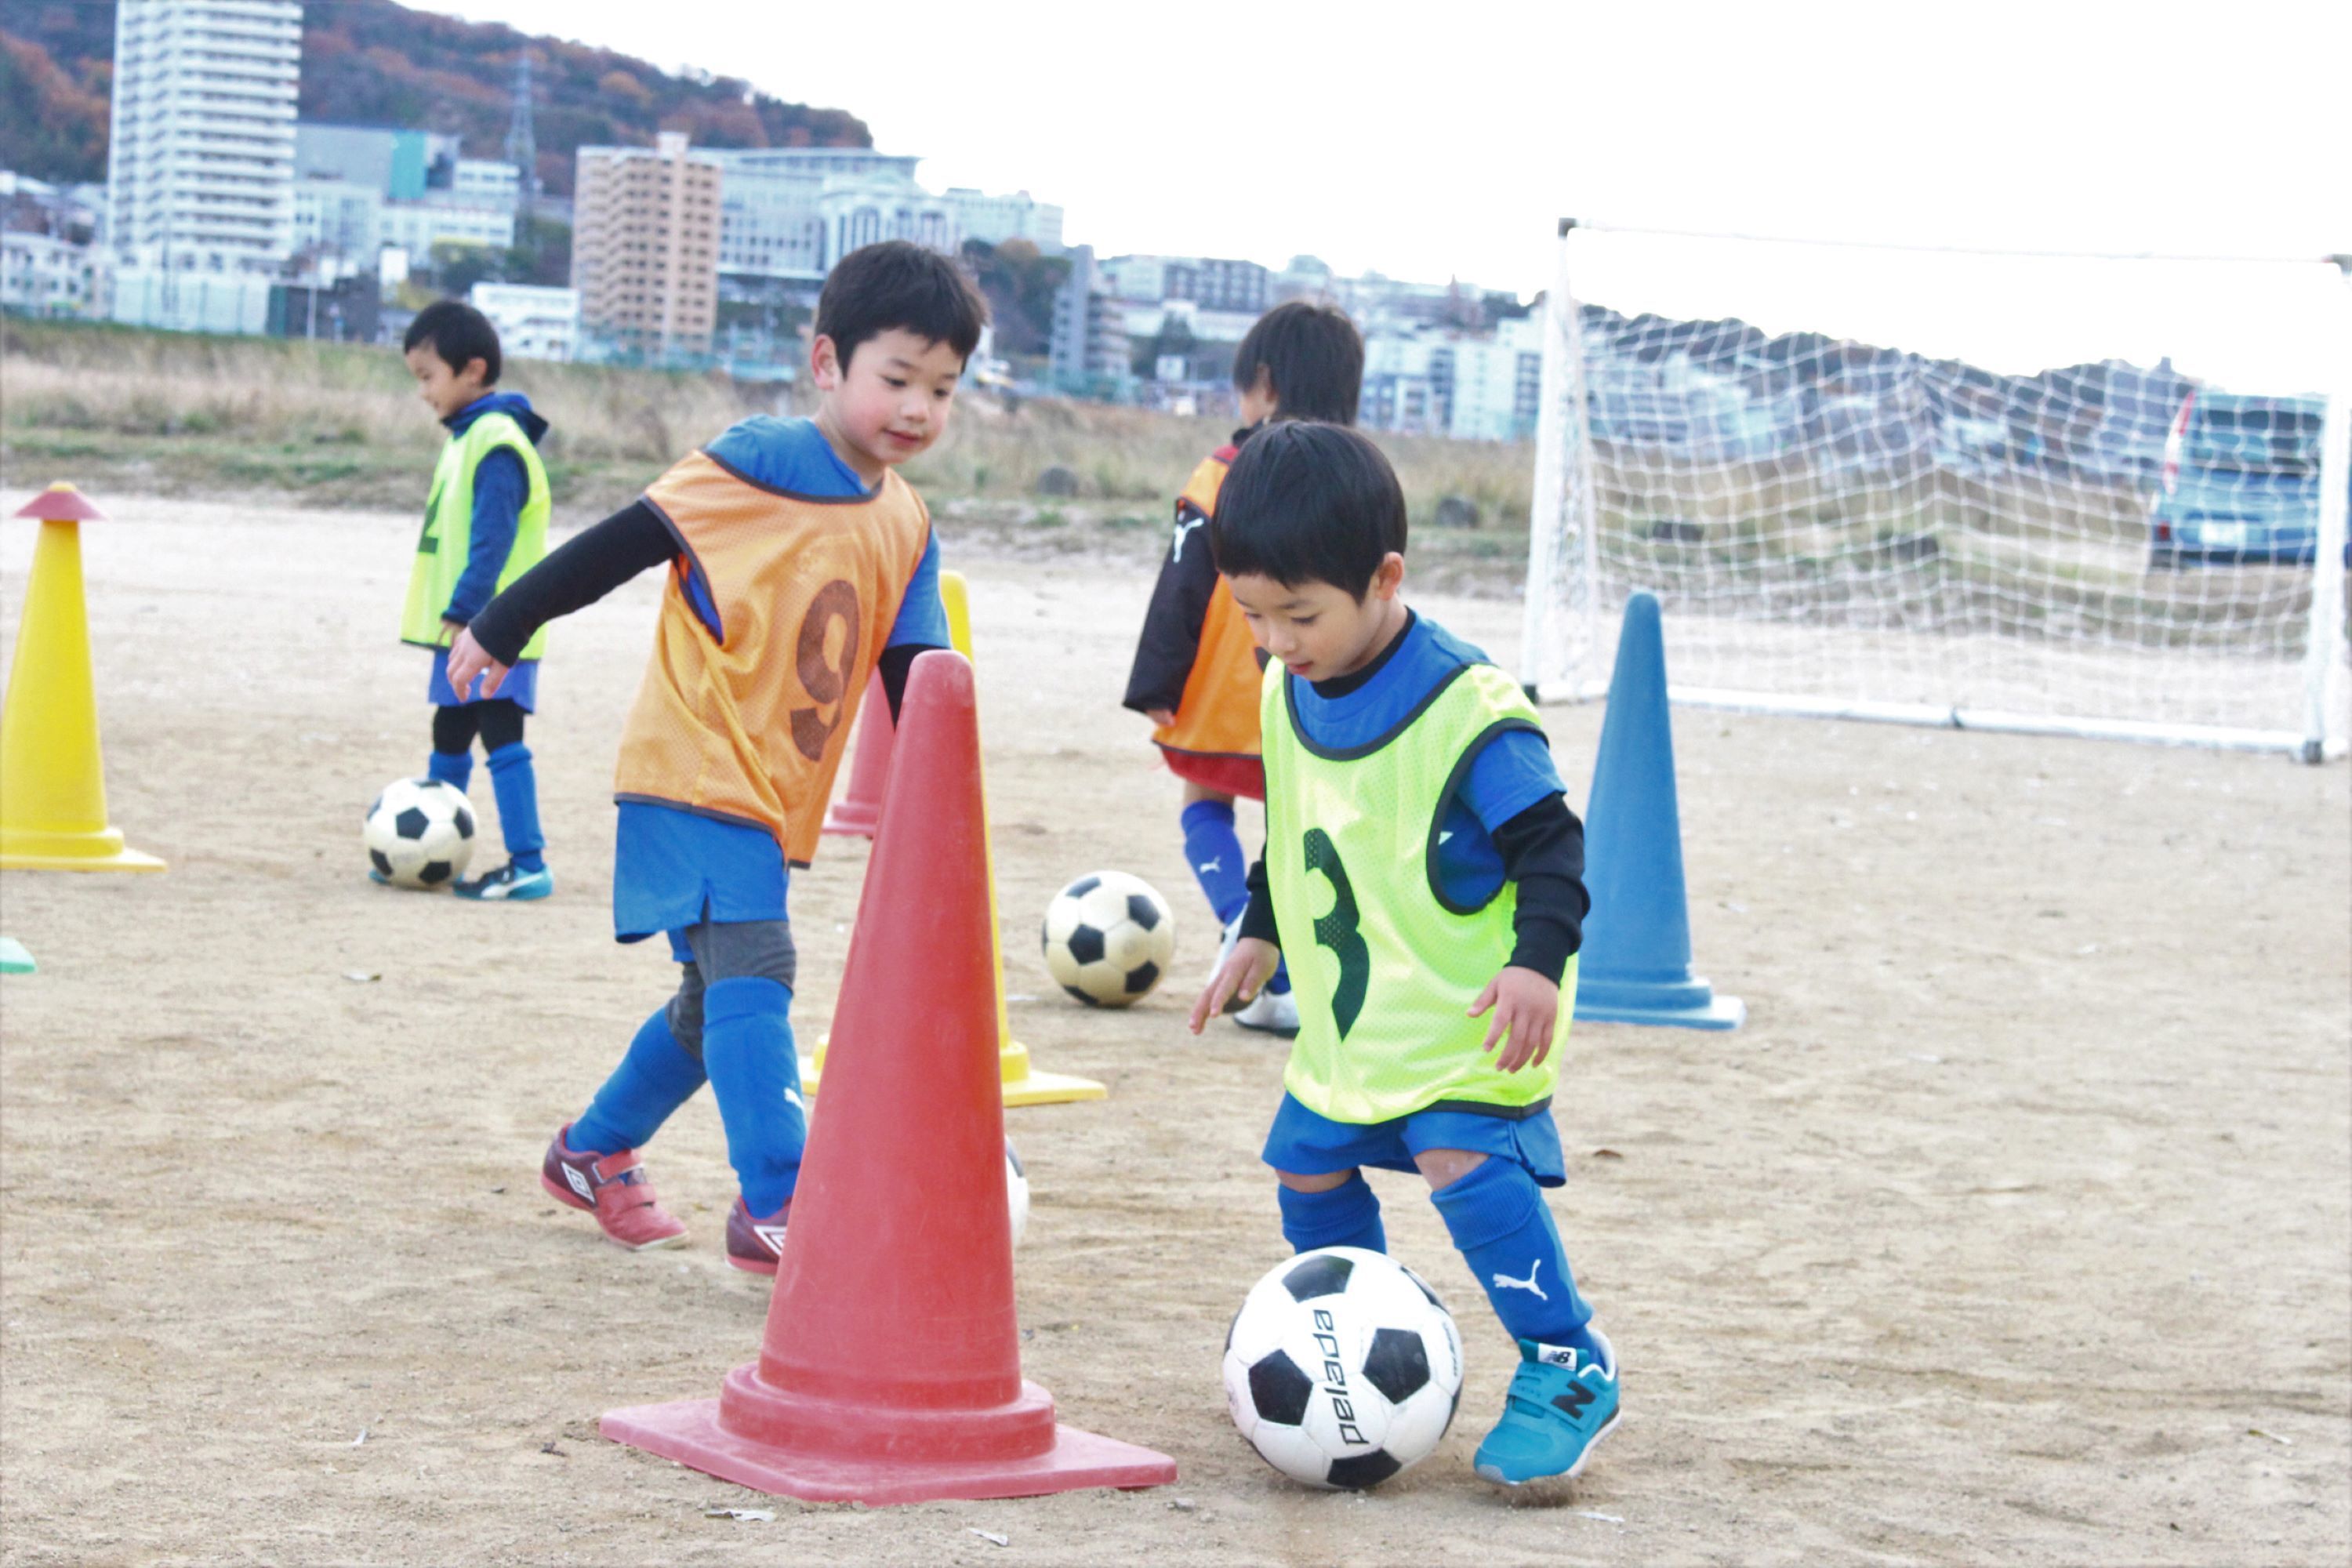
<point>1637,964</point>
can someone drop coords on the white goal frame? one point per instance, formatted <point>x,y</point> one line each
<point>1574,596</point>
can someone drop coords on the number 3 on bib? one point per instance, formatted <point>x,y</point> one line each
<point>821,677</point>
<point>1338,930</point>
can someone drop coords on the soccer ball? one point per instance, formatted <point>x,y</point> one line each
<point>1108,938</point>
<point>420,833</point>
<point>1343,1368</point>
<point>1016,1190</point>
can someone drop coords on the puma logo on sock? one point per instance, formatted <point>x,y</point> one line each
<point>1505,1282</point>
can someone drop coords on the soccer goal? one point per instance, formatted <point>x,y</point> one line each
<point>2074,494</point>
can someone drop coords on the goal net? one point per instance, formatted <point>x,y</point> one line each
<point>2102,496</point>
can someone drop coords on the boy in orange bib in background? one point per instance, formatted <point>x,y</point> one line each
<point>798,561</point>
<point>1197,674</point>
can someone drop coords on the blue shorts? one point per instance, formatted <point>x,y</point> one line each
<point>1307,1145</point>
<point>520,687</point>
<point>673,869</point>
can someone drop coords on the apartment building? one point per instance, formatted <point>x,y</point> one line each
<point>645,246</point>
<point>201,161</point>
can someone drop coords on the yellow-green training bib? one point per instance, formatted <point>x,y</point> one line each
<point>448,531</point>
<point>1384,966</point>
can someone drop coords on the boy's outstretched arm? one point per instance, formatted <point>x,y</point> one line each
<point>500,488</point>
<point>1527,1009</point>
<point>1542,850</point>
<point>1252,963</point>
<point>576,573</point>
<point>1245,969</point>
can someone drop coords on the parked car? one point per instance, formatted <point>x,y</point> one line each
<point>2240,483</point>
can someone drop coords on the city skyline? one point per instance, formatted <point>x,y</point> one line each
<point>1454,151</point>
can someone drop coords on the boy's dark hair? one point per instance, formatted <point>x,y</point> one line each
<point>457,333</point>
<point>1313,358</point>
<point>899,284</point>
<point>1308,502</point>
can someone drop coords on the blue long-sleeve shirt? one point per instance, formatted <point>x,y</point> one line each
<point>500,488</point>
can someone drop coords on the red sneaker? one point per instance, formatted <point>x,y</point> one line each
<point>613,1188</point>
<point>756,1244</point>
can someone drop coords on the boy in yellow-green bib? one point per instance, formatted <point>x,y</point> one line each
<point>485,525</point>
<point>1424,877</point>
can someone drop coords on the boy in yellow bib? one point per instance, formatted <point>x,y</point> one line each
<point>485,525</point>
<point>796,561</point>
<point>1425,876</point>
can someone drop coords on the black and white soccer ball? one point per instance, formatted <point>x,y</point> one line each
<point>420,833</point>
<point>1343,1368</point>
<point>1109,938</point>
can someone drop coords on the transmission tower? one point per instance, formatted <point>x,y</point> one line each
<point>522,147</point>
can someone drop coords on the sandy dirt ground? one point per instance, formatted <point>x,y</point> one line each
<point>2013,1228</point>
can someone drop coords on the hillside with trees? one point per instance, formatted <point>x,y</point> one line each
<point>372,62</point>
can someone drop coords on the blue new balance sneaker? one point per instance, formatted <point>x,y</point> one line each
<point>1562,1402</point>
<point>509,883</point>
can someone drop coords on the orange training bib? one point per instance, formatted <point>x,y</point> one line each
<point>1217,715</point>
<point>750,726</point>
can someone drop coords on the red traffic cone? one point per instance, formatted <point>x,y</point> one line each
<point>858,812</point>
<point>890,1369</point>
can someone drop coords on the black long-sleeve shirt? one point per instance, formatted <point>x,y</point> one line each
<point>594,562</point>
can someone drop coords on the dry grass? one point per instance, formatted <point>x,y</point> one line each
<point>184,413</point>
<point>180,414</point>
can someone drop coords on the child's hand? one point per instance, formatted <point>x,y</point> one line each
<point>467,660</point>
<point>1249,966</point>
<point>1161,717</point>
<point>1526,1007</point>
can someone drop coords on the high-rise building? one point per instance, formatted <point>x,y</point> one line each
<point>645,246</point>
<point>201,164</point>
<point>1089,351</point>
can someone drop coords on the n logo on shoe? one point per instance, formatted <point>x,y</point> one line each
<point>1574,1400</point>
<point>579,1183</point>
<point>772,1236</point>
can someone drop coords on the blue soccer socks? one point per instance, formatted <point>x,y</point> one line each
<point>453,768</point>
<point>1498,1218</point>
<point>1346,1216</point>
<point>755,1072</point>
<point>1214,850</point>
<point>653,1079</point>
<point>517,789</point>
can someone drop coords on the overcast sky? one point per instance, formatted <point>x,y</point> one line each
<point>1442,140</point>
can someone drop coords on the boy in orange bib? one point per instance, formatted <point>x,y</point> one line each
<point>1197,673</point>
<point>798,561</point>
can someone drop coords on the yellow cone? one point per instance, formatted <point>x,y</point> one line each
<point>1023,1084</point>
<point>52,783</point>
